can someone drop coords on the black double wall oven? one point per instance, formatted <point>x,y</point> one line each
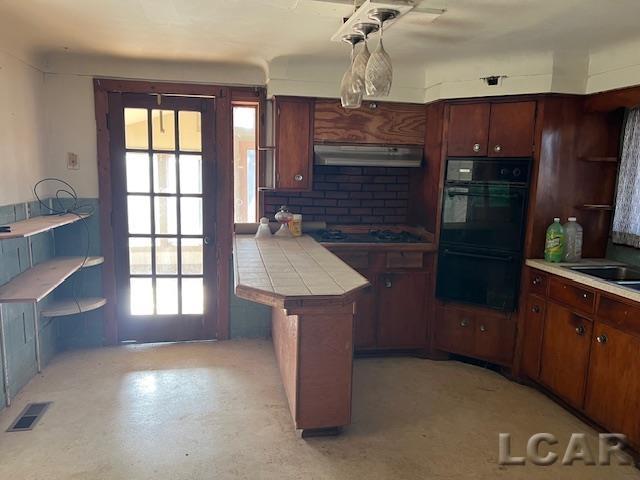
<point>482,231</point>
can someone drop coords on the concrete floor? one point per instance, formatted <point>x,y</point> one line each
<point>218,411</point>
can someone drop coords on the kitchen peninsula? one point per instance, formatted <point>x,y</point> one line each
<point>312,296</point>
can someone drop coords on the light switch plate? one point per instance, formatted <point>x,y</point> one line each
<point>72,161</point>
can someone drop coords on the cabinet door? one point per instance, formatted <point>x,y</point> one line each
<point>294,143</point>
<point>402,312</point>
<point>494,338</point>
<point>375,123</point>
<point>613,388</point>
<point>468,130</point>
<point>455,330</point>
<point>565,353</point>
<point>364,336</point>
<point>532,342</point>
<point>511,129</point>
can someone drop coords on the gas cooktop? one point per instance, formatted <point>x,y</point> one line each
<point>373,236</point>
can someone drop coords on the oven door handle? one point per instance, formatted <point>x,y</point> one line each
<point>487,195</point>
<point>478,255</point>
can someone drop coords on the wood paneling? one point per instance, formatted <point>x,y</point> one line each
<point>366,316</point>
<point>468,130</point>
<point>402,321</point>
<point>613,388</point>
<point>613,100</point>
<point>619,314</point>
<point>294,143</point>
<point>373,123</point>
<point>494,337</point>
<point>532,337</point>
<point>314,352</point>
<point>511,129</point>
<point>565,353</point>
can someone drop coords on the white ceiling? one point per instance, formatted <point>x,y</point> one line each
<point>259,32</point>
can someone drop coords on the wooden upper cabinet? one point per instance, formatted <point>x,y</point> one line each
<point>468,130</point>
<point>565,353</point>
<point>491,129</point>
<point>613,387</point>
<point>294,143</point>
<point>373,123</point>
<point>511,129</point>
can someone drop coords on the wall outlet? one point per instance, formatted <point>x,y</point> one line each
<point>72,161</point>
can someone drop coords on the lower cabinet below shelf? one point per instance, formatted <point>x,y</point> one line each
<point>475,332</point>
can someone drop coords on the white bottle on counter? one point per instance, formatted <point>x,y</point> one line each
<point>263,229</point>
<point>572,241</point>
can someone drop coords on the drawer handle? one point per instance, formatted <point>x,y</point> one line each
<point>585,296</point>
<point>464,322</point>
<point>483,328</point>
<point>476,147</point>
<point>298,177</point>
<point>497,148</point>
<point>537,281</point>
<point>580,330</point>
<point>535,309</point>
<point>387,283</point>
<point>602,339</point>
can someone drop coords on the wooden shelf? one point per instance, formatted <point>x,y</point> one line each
<point>69,306</point>
<point>599,159</point>
<point>93,261</point>
<point>38,282</point>
<point>35,225</point>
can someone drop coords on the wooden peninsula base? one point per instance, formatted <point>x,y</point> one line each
<point>312,297</point>
<point>314,349</point>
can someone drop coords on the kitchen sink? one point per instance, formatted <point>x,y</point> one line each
<point>628,284</point>
<point>614,273</point>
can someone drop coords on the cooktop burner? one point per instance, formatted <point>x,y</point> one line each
<point>373,236</point>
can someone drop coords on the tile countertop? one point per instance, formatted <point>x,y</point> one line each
<point>276,270</point>
<point>561,270</point>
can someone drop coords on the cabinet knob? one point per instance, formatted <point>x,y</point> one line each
<point>483,328</point>
<point>298,177</point>
<point>476,147</point>
<point>387,283</point>
<point>580,330</point>
<point>535,309</point>
<point>537,281</point>
<point>585,296</point>
<point>602,339</point>
<point>464,322</point>
<point>497,148</point>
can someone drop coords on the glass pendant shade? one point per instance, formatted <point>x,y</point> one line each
<point>348,97</point>
<point>379,73</point>
<point>359,68</point>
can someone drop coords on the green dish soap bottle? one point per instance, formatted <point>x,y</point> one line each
<point>554,245</point>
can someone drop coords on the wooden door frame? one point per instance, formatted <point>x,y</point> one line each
<point>223,230</point>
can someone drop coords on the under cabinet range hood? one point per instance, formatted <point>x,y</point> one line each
<point>368,155</point>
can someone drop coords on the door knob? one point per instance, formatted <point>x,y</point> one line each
<point>464,322</point>
<point>298,177</point>
<point>207,240</point>
<point>476,147</point>
<point>602,338</point>
<point>535,309</point>
<point>537,281</point>
<point>580,330</point>
<point>497,148</point>
<point>483,328</point>
<point>387,283</point>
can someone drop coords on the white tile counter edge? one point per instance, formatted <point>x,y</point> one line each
<point>561,270</point>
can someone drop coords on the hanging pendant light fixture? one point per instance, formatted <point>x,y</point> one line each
<point>379,72</point>
<point>362,58</point>
<point>348,97</point>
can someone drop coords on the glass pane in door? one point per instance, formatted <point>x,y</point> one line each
<point>164,183</point>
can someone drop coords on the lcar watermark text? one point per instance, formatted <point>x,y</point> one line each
<point>610,445</point>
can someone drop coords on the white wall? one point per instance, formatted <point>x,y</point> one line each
<point>22,129</point>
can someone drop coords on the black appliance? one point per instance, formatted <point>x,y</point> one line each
<point>373,236</point>
<point>482,230</point>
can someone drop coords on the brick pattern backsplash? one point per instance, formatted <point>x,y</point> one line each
<point>348,195</point>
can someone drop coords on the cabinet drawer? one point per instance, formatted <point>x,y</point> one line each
<point>455,330</point>
<point>620,315</point>
<point>537,282</point>
<point>580,298</point>
<point>357,260</point>
<point>404,259</point>
<point>495,338</point>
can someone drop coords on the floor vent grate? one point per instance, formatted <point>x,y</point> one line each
<point>28,418</point>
